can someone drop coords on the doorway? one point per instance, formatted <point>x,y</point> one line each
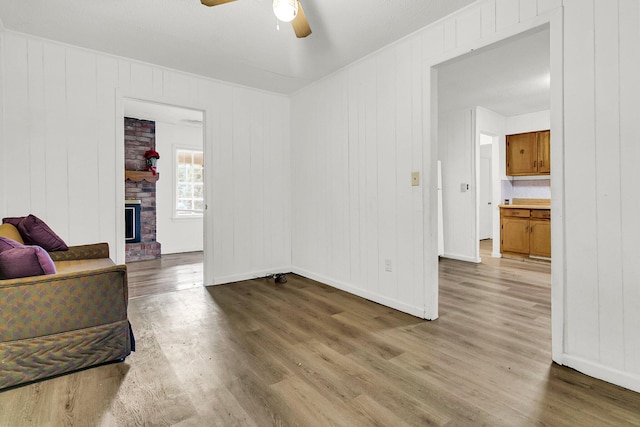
<point>481,97</point>
<point>454,88</point>
<point>486,188</point>
<point>178,192</point>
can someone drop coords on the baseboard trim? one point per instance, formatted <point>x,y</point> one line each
<point>604,373</point>
<point>462,258</point>
<point>371,296</point>
<point>222,280</point>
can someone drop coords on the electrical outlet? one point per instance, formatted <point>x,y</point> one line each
<point>388,266</point>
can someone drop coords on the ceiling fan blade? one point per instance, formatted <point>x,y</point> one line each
<point>215,2</point>
<point>300,25</point>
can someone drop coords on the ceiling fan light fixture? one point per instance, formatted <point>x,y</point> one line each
<point>285,10</point>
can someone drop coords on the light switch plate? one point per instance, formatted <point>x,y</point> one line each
<point>415,178</point>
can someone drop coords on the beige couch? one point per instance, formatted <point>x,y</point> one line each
<point>74,319</point>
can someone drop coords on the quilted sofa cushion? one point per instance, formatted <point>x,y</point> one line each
<point>75,266</point>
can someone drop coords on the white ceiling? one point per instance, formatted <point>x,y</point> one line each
<point>510,77</point>
<point>238,42</point>
<point>235,42</point>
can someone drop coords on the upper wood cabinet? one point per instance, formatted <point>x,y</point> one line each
<point>529,154</point>
<point>544,152</point>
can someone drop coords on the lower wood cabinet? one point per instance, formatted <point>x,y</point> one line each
<point>514,235</point>
<point>540,232</point>
<point>525,231</point>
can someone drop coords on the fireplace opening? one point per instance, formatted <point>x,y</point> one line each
<point>132,220</point>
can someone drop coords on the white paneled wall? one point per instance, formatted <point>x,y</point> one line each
<point>602,86</point>
<point>175,234</point>
<point>62,157</point>
<point>339,197</point>
<point>625,289</point>
<point>595,262</point>
<point>457,154</point>
<point>357,136</point>
<point>491,123</point>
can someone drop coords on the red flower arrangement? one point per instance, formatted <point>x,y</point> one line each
<point>152,157</point>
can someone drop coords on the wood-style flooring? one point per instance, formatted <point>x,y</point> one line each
<point>256,353</point>
<point>172,272</point>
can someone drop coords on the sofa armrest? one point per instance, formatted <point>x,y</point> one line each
<point>93,251</point>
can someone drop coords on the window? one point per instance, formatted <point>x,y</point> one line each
<point>189,183</point>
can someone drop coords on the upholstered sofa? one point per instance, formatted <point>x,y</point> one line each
<point>58,323</point>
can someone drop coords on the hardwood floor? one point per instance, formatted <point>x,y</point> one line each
<point>256,353</point>
<point>172,272</point>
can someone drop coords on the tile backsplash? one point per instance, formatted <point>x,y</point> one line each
<point>526,189</point>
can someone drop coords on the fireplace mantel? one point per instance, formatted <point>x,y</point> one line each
<point>138,176</point>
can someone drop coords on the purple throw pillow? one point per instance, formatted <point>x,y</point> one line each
<point>34,231</point>
<point>15,220</point>
<point>6,244</point>
<point>24,262</point>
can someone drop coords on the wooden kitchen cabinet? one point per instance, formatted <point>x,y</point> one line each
<point>544,152</point>
<point>540,232</point>
<point>529,154</point>
<point>525,231</point>
<point>540,237</point>
<point>522,152</point>
<point>514,235</point>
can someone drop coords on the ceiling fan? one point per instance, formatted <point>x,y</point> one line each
<point>285,10</point>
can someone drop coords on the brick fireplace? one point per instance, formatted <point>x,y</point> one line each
<point>140,136</point>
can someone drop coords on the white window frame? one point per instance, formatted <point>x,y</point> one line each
<point>178,213</point>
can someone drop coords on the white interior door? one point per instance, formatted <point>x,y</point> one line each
<point>486,229</point>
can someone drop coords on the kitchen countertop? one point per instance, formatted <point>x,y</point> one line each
<point>525,206</point>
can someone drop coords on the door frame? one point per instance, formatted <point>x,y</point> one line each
<point>492,183</point>
<point>120,96</point>
<point>553,19</point>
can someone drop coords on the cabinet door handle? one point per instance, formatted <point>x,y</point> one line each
<point>541,163</point>
<point>534,163</point>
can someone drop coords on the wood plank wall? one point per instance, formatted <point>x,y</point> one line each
<point>456,138</point>
<point>357,138</point>
<point>59,153</point>
<point>358,134</point>
<point>602,86</point>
